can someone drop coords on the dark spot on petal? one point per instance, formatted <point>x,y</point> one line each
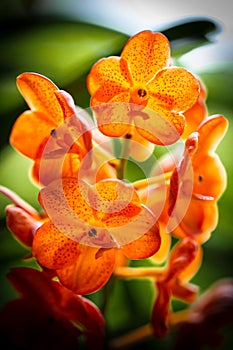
<point>142,93</point>
<point>92,232</point>
<point>128,136</point>
<point>200,178</point>
<point>53,133</point>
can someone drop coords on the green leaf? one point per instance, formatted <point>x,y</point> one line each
<point>190,33</point>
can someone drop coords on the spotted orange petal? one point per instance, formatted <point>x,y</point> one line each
<point>30,130</point>
<point>38,92</point>
<point>113,118</point>
<point>90,272</point>
<point>64,201</point>
<point>159,126</point>
<point>108,76</point>
<point>115,201</point>
<point>175,89</point>
<point>52,249</point>
<point>146,53</point>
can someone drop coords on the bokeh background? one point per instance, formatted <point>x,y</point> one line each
<point>62,39</point>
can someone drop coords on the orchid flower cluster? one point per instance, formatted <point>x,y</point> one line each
<point>94,219</point>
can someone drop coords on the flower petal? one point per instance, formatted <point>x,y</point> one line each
<point>146,53</point>
<point>139,148</point>
<point>215,128</point>
<point>65,203</point>
<point>149,241</point>
<point>90,272</point>
<point>30,130</point>
<point>109,75</point>
<point>175,89</point>
<point>47,169</point>
<point>113,118</point>
<point>199,221</point>
<point>158,125</point>
<point>114,201</point>
<point>22,224</point>
<point>38,92</point>
<point>53,249</point>
<point>195,115</point>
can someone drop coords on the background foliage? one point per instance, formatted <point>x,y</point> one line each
<point>64,51</point>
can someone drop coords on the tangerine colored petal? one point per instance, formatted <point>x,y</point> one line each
<point>47,169</point>
<point>211,131</point>
<point>146,53</point>
<point>196,114</point>
<point>157,125</point>
<point>110,74</point>
<point>209,176</point>
<point>112,118</point>
<point>29,132</point>
<point>139,148</point>
<point>66,102</point>
<point>112,198</point>
<point>52,249</point>
<point>149,241</point>
<point>38,92</point>
<point>65,203</point>
<point>161,255</point>
<point>176,89</point>
<point>90,272</point>
<point>199,221</point>
<point>22,224</point>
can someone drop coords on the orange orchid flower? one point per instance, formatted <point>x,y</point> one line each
<point>138,87</point>
<point>47,315</point>
<point>196,215</point>
<point>52,116</point>
<point>186,255</point>
<point>88,226</point>
<point>21,218</point>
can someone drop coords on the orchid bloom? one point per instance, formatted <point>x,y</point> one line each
<point>47,315</point>
<point>21,218</point>
<point>183,262</point>
<point>202,171</point>
<point>88,225</point>
<point>52,116</point>
<point>140,88</point>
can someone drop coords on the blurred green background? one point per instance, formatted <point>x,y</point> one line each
<point>63,47</point>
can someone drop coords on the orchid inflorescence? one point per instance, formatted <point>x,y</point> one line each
<point>94,220</point>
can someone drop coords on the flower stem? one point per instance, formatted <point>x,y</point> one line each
<point>133,337</point>
<point>150,181</point>
<point>132,272</point>
<point>18,201</point>
<point>124,158</point>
